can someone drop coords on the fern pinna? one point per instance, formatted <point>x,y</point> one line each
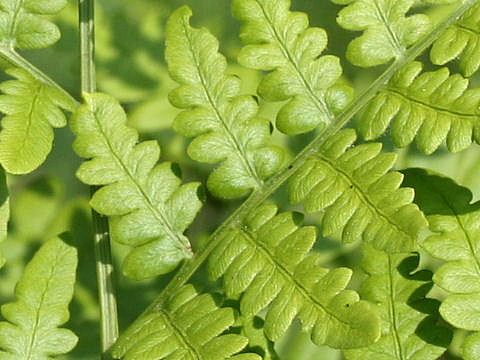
<point>262,268</point>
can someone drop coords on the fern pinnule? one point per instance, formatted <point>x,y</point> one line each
<point>32,110</point>
<point>361,199</point>
<point>148,208</point>
<point>454,220</point>
<point>387,31</point>
<point>188,326</point>
<point>430,107</point>
<point>409,319</point>
<point>279,40</point>
<point>251,326</point>
<point>460,41</point>
<point>43,294</point>
<point>225,125</point>
<point>24,26</point>
<point>268,261</point>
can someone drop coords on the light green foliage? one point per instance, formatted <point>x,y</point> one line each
<point>252,328</point>
<point>268,260</point>
<point>280,41</point>
<point>32,110</point>
<point>22,24</point>
<point>225,125</point>
<point>398,290</point>
<point>387,31</point>
<point>148,208</point>
<point>359,195</point>
<point>457,241</point>
<point>460,41</point>
<point>188,326</point>
<point>471,347</point>
<point>43,295</point>
<point>430,107</point>
<point>269,271</point>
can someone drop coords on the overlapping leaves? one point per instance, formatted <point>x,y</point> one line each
<point>361,199</point>
<point>268,260</point>
<point>280,41</point>
<point>43,295</point>
<point>430,107</point>
<point>22,23</point>
<point>457,241</point>
<point>188,326</point>
<point>460,41</point>
<point>398,290</point>
<point>387,31</point>
<point>32,110</point>
<point>225,124</point>
<point>148,208</point>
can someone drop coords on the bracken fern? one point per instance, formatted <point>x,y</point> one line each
<point>263,267</point>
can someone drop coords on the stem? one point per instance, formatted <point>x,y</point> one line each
<point>262,194</point>
<point>87,45</point>
<point>11,57</point>
<point>103,254</point>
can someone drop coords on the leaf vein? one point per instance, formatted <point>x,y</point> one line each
<point>239,149</point>
<point>249,236</point>
<point>319,102</point>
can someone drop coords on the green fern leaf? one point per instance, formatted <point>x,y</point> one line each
<point>387,32</point>
<point>32,110</point>
<point>23,26</point>
<point>455,220</point>
<point>252,328</point>
<point>358,194</point>
<point>280,41</point>
<point>225,125</point>
<point>188,326</point>
<point>43,294</point>
<point>148,208</point>
<point>462,41</point>
<point>471,347</point>
<point>267,260</point>
<point>430,107</point>
<point>408,317</point>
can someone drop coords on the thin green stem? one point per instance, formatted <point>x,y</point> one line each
<point>11,57</point>
<point>87,45</point>
<point>259,196</point>
<point>103,254</point>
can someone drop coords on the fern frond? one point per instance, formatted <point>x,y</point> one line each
<point>409,319</point>
<point>387,31</point>
<point>280,41</point>
<point>32,110</point>
<point>430,107</point>
<point>252,328</point>
<point>267,260</point>
<point>43,294</point>
<point>358,194</point>
<point>462,41</point>
<point>455,220</point>
<point>148,208</point>
<point>188,326</point>
<point>23,25</point>
<point>225,125</point>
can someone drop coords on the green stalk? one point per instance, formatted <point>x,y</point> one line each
<point>103,255</point>
<point>11,57</point>
<point>259,196</point>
